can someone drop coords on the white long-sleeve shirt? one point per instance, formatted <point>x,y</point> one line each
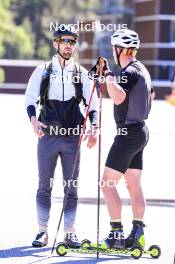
<point>59,91</point>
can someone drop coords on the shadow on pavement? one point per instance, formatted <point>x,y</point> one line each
<point>87,260</point>
<point>24,251</point>
<point>27,251</point>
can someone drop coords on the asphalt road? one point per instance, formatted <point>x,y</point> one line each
<point>19,182</point>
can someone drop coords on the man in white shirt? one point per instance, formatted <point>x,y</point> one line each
<point>55,83</point>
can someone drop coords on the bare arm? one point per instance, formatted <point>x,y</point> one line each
<point>115,91</point>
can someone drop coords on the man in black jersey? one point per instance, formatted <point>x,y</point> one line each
<point>132,104</point>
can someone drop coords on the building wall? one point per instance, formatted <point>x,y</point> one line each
<point>154,20</point>
<point>17,74</point>
<point>155,23</point>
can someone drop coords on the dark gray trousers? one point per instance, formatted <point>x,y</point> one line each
<point>48,151</point>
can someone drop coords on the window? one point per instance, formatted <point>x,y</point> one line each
<point>172,31</point>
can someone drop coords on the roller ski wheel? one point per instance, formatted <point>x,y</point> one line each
<point>154,251</point>
<point>61,249</point>
<point>85,244</point>
<point>136,252</point>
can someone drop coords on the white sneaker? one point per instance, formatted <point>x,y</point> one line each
<point>41,240</point>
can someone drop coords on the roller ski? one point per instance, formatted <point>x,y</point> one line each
<point>115,244</point>
<point>136,239</point>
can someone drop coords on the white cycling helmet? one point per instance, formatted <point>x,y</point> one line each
<point>125,38</point>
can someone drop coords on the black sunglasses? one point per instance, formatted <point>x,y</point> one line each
<point>72,42</point>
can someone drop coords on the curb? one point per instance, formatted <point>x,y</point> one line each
<point>149,202</point>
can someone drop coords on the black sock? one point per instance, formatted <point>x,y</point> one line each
<point>116,225</point>
<point>137,222</point>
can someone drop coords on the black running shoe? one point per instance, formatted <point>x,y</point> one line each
<point>136,237</point>
<point>71,240</point>
<point>41,240</point>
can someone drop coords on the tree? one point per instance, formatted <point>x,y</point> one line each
<point>14,40</point>
<point>2,75</point>
<point>25,33</point>
<point>32,13</point>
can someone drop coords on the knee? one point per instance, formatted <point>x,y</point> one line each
<point>72,188</point>
<point>128,185</point>
<point>107,183</point>
<point>72,195</point>
<point>134,187</point>
<point>103,182</point>
<point>45,187</point>
<point>44,192</point>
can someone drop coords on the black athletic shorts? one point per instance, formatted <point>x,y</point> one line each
<point>127,149</point>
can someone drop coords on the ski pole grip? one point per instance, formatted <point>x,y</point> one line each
<point>101,64</point>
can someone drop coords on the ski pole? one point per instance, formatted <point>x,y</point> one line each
<point>75,162</point>
<point>99,158</point>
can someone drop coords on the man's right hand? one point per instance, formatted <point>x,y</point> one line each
<point>95,71</point>
<point>37,126</point>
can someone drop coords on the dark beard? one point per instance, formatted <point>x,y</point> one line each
<point>67,55</point>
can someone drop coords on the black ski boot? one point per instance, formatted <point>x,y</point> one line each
<point>115,238</point>
<point>136,237</point>
<point>71,240</point>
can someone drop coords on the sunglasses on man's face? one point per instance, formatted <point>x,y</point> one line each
<point>72,42</point>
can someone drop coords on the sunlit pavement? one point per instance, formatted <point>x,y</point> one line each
<point>19,182</point>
